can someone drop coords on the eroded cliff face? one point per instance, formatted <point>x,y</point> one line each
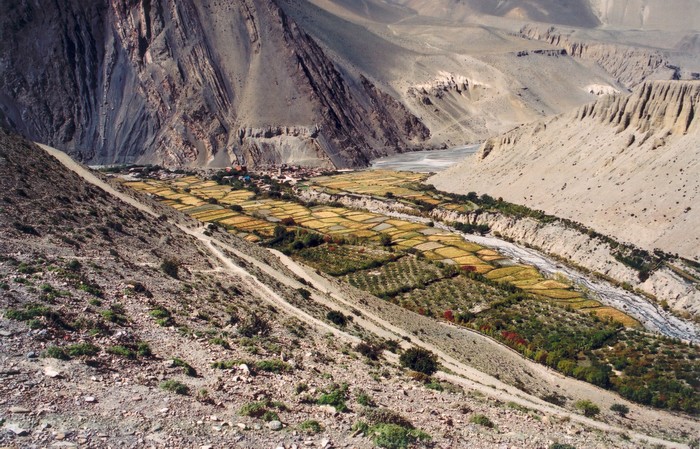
<point>625,166</point>
<point>629,65</point>
<point>188,83</point>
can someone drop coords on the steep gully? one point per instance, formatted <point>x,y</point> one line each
<point>331,297</point>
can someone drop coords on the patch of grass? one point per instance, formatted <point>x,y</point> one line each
<point>273,366</point>
<point>174,386</point>
<point>365,399</point>
<point>310,426</point>
<point>82,349</point>
<point>434,385</point>
<point>481,420</point>
<point>221,342</point>
<point>587,407</point>
<point>336,396</point>
<point>114,316</point>
<point>122,351</point>
<point>187,369</point>
<point>55,352</point>
<point>392,436</point>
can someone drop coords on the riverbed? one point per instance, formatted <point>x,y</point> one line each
<point>431,161</point>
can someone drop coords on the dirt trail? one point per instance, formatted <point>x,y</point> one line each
<point>328,295</point>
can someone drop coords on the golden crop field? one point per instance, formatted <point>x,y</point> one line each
<point>211,202</point>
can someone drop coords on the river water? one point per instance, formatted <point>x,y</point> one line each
<point>652,317</point>
<point>431,161</point>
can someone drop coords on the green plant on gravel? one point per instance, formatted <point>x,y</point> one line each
<point>310,426</point>
<point>143,349</point>
<point>221,342</point>
<point>335,396</point>
<point>364,399</point>
<point>420,360</point>
<point>187,369</point>
<point>561,446</point>
<point>262,409</point>
<point>620,409</point>
<point>175,387</point>
<point>122,351</point>
<point>273,366</point>
<point>587,407</point>
<point>434,385</point>
<point>393,436</point>
<point>82,349</point>
<point>481,420</point>
<point>55,352</point>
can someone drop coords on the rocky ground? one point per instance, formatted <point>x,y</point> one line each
<point>96,340</point>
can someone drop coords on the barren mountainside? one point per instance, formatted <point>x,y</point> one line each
<point>187,83</point>
<point>625,165</point>
<point>325,83</point>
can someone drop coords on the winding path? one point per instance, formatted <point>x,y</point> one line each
<point>330,296</point>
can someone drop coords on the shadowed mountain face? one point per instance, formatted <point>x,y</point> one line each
<point>188,82</point>
<point>331,83</point>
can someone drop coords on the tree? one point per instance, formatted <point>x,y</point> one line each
<point>419,359</point>
<point>620,409</point>
<point>170,267</point>
<point>385,240</point>
<point>587,407</point>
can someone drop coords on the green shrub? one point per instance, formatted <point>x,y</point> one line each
<point>187,369</point>
<point>561,446</point>
<point>369,350</point>
<point>587,407</point>
<point>254,325</point>
<point>273,366</point>
<point>310,426</point>
<point>434,385</point>
<point>254,409</point>
<point>270,416</point>
<point>392,436</point>
<point>54,352</point>
<point>175,387</point>
<point>364,399</point>
<point>335,396</point>
<point>386,416</point>
<point>122,351</point>
<point>337,318</point>
<point>160,312</point>
<point>221,342</point>
<point>82,349</point>
<point>481,420</point>
<point>170,267</point>
<point>143,349</point>
<point>620,409</point>
<point>420,360</point>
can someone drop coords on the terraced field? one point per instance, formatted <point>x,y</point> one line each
<point>435,272</point>
<point>255,217</point>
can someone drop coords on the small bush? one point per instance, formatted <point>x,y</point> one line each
<point>254,325</point>
<point>392,436</point>
<point>335,396</point>
<point>221,342</point>
<point>175,387</point>
<point>143,349</point>
<point>122,351</point>
<point>273,366</point>
<point>82,349</point>
<point>561,446</point>
<point>386,416</point>
<point>481,420</point>
<point>310,426</point>
<point>420,360</point>
<point>620,409</point>
<point>369,350</point>
<point>254,409</point>
<point>54,352</point>
<point>587,407</point>
<point>171,267</point>
<point>364,399</point>
<point>337,318</point>
<point>434,385</point>
<point>186,367</point>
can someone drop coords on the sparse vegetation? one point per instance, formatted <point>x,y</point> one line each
<point>175,386</point>
<point>420,360</point>
<point>587,407</point>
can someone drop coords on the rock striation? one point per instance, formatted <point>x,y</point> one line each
<point>629,65</point>
<point>625,165</point>
<point>188,83</point>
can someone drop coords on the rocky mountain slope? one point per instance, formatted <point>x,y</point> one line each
<point>189,83</point>
<point>328,83</point>
<point>104,344</point>
<point>625,165</point>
